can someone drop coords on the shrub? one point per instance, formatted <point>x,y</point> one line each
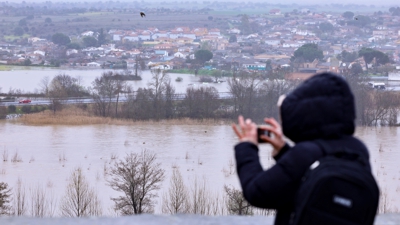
<point>12,108</point>
<point>3,112</point>
<point>26,109</point>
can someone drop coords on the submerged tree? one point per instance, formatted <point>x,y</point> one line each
<point>80,200</point>
<point>137,176</point>
<point>236,203</point>
<point>176,200</point>
<point>5,198</point>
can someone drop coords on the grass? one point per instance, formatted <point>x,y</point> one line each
<point>13,37</point>
<point>5,68</point>
<point>74,116</point>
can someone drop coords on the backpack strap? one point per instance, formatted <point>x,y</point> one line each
<point>340,152</point>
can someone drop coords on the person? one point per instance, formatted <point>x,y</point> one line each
<point>322,107</point>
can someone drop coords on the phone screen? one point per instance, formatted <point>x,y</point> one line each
<point>261,131</point>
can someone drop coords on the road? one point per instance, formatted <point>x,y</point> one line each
<point>87,100</point>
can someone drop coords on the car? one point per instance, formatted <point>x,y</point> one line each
<point>25,101</point>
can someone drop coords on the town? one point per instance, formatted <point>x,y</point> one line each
<point>290,44</point>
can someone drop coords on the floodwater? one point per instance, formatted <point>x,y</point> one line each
<point>50,153</point>
<point>29,80</point>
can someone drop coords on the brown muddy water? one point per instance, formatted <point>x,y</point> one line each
<point>48,154</point>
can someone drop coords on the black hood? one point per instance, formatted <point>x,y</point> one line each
<point>321,107</point>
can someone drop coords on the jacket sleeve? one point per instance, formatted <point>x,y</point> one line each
<point>282,152</point>
<point>277,186</point>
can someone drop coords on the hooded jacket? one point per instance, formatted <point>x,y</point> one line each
<point>322,107</point>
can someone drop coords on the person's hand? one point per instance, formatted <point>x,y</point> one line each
<point>276,140</point>
<point>247,132</point>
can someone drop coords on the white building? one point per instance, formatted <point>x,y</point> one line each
<point>93,64</point>
<point>180,55</point>
<point>39,52</point>
<point>88,33</point>
<point>395,75</point>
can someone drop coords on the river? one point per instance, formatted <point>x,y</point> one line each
<point>50,153</point>
<point>29,80</point>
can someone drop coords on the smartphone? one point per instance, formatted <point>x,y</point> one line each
<point>261,131</point>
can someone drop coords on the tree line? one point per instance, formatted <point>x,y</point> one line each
<point>253,95</point>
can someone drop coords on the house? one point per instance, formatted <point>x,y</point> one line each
<point>189,35</point>
<point>214,31</point>
<point>199,32</point>
<point>275,12</point>
<point>180,55</point>
<point>145,36</point>
<point>42,53</point>
<point>273,42</point>
<point>162,67</point>
<point>394,75</point>
<point>291,44</point>
<point>161,52</point>
<point>131,37</point>
<point>117,35</point>
<point>160,34</point>
<point>163,46</point>
<point>70,52</point>
<point>175,34</point>
<point>93,64</point>
<point>257,66</point>
<point>35,39</point>
<point>87,33</point>
<point>163,39</point>
<point>184,40</point>
<point>185,49</point>
<point>234,31</point>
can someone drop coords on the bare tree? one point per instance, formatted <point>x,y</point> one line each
<point>169,101</point>
<point>44,85</point>
<point>5,195</point>
<point>236,203</point>
<point>267,97</point>
<point>120,86</point>
<point>244,87</point>
<point>177,198</point>
<point>19,205</point>
<point>42,204</point>
<point>203,201</point>
<point>38,201</point>
<point>103,92</point>
<point>383,108</point>
<point>201,102</point>
<point>137,176</point>
<point>80,200</point>
<point>61,87</point>
<point>158,86</point>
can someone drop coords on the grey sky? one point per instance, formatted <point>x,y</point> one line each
<point>359,2</point>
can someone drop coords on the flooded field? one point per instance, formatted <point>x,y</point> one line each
<point>46,155</point>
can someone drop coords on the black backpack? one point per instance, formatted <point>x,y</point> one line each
<point>338,189</point>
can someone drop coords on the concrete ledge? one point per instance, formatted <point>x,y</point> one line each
<point>384,219</point>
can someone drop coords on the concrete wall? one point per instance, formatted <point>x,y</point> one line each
<point>385,219</point>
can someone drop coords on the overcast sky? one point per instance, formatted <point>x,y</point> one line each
<point>300,2</point>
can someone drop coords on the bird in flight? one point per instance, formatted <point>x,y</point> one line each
<point>142,14</point>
